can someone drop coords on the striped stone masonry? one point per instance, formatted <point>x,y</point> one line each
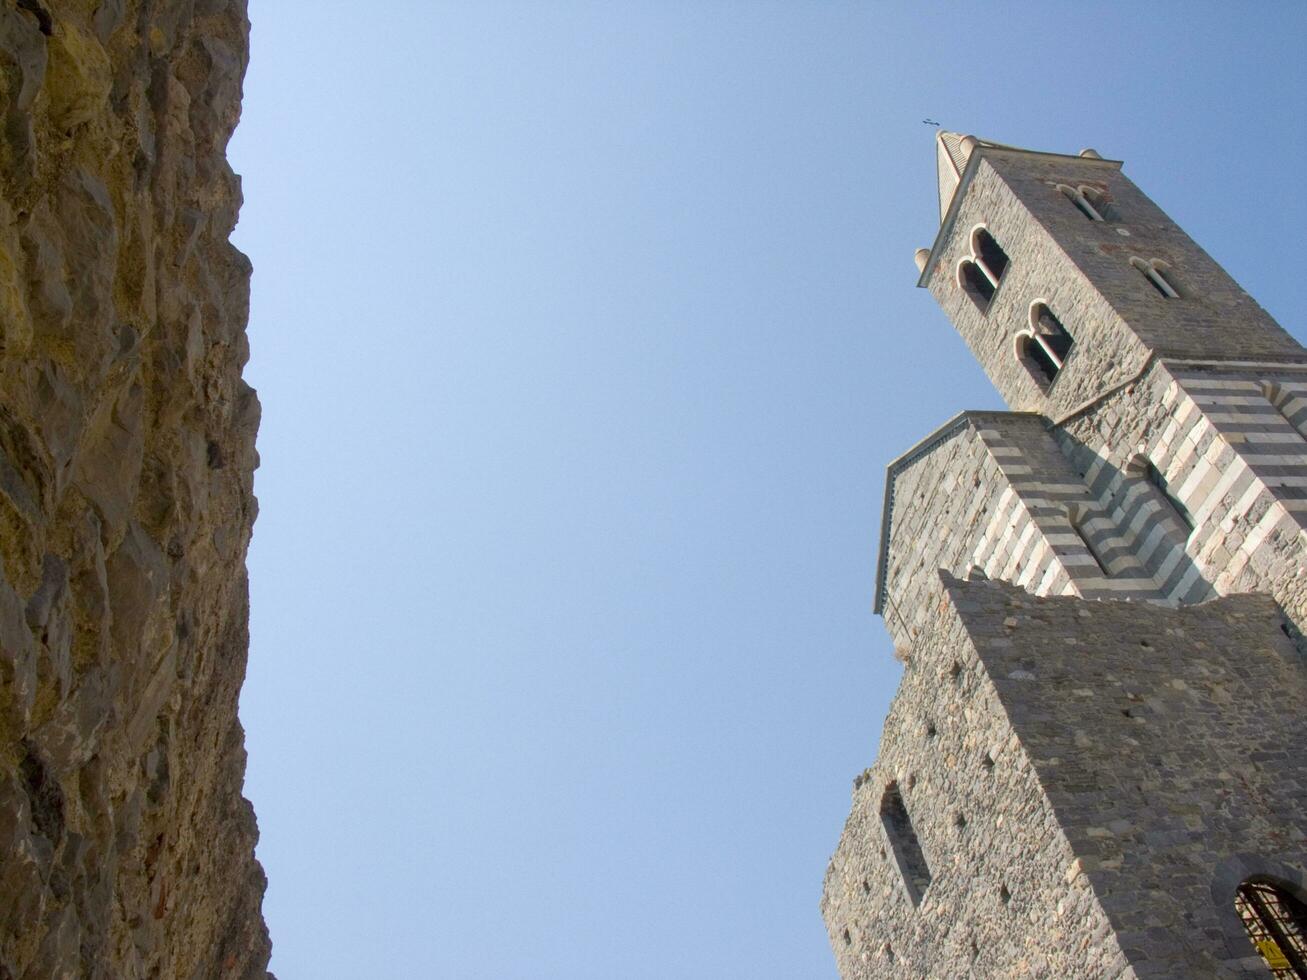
<point>1236,462</point>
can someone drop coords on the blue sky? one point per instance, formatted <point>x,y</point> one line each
<point>584,332</point>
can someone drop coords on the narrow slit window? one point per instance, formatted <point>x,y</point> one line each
<point>904,844</point>
<point>1079,523</point>
<point>1078,197</point>
<point>1159,483</point>
<point>1276,923</point>
<point>1156,274</point>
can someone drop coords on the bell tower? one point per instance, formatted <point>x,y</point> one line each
<point>1064,278</point>
<point>1096,763</point>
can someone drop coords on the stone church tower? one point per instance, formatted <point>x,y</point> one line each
<point>1096,763</point>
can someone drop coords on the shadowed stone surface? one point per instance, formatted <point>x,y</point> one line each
<point>126,464</point>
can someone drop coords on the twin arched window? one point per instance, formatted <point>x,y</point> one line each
<point>1092,204</point>
<point>1159,276</point>
<point>980,273</point>
<point>1043,347</point>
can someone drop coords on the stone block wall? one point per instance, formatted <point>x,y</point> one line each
<point>1088,781</point>
<point>126,503</point>
<point>1006,897</point>
<point>1170,744</point>
<point>1212,317</point>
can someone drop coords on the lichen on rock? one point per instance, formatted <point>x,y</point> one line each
<point>126,494</point>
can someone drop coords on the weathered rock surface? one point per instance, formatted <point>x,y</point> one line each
<point>126,462</point>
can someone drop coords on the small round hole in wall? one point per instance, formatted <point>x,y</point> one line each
<point>1004,895</point>
<point>848,940</point>
<point>988,762</point>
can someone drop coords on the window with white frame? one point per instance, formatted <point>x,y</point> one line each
<point>980,272</point>
<point>1159,276</point>
<point>1043,346</point>
<point>1080,197</point>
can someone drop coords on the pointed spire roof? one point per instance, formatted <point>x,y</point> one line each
<point>952,150</point>
<point>950,159</point>
<point>953,153</point>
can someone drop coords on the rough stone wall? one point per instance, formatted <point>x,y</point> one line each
<point>1213,317</point>
<point>1006,897</point>
<point>1170,744</point>
<point>126,461</point>
<point>940,497</point>
<point>1088,782</point>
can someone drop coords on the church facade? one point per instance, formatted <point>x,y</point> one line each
<point>1096,762</point>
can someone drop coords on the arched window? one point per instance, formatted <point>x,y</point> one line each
<point>1276,922</point>
<point>1099,202</point>
<point>1292,408</point>
<point>1157,274</point>
<point>1036,359</point>
<point>1043,348</point>
<point>988,253</point>
<point>1049,328</point>
<point>1079,196</point>
<point>903,843</point>
<point>975,283</point>
<point>980,273</point>
<point>1154,476</point>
